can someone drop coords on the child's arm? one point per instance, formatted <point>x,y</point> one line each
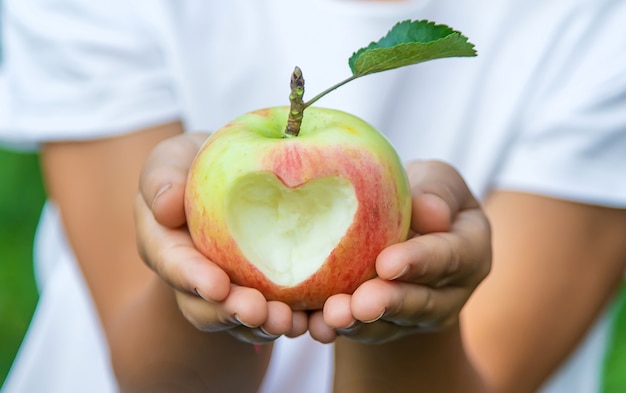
<point>556,264</point>
<point>153,347</point>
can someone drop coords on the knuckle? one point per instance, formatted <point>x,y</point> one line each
<point>428,308</point>
<point>449,261</point>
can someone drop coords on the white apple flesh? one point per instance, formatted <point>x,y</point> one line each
<point>299,218</point>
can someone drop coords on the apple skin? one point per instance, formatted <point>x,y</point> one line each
<point>330,143</point>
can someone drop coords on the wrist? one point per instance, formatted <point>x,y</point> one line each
<point>433,361</point>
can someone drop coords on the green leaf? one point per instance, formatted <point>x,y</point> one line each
<point>410,42</point>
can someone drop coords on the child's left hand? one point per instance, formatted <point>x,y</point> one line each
<point>423,282</point>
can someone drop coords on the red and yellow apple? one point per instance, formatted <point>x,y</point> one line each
<point>303,217</point>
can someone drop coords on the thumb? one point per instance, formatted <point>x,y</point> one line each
<point>164,175</point>
<point>439,193</point>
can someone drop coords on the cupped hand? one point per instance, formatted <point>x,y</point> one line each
<point>424,282</point>
<point>203,291</point>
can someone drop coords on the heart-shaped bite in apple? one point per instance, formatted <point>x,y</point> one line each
<point>299,218</point>
<point>288,233</point>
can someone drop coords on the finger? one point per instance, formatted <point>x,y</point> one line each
<point>461,256</point>
<point>299,324</point>
<point>407,305</point>
<point>319,329</point>
<point>243,307</point>
<point>378,332</point>
<point>279,319</point>
<point>279,322</point>
<point>338,311</point>
<point>338,315</point>
<point>244,314</point>
<point>164,174</point>
<point>252,335</point>
<point>172,255</point>
<point>439,193</point>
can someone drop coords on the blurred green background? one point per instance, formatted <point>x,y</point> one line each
<point>21,198</point>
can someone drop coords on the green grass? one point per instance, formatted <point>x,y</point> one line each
<point>21,199</point>
<point>614,376</point>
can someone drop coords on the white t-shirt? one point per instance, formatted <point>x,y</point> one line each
<point>541,109</point>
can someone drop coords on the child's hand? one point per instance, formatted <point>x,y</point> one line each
<point>423,282</point>
<point>422,285</point>
<point>203,291</point>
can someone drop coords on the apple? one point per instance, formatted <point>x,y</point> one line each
<point>298,206</point>
<point>302,217</point>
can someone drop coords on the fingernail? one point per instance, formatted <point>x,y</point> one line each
<point>266,334</point>
<point>159,193</point>
<point>347,329</point>
<point>401,273</point>
<point>377,318</point>
<point>351,324</point>
<point>205,298</point>
<point>239,321</point>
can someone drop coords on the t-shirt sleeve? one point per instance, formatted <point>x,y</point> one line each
<point>572,142</point>
<point>78,69</point>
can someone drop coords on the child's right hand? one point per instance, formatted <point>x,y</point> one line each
<point>203,291</point>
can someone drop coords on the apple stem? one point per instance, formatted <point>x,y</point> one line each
<point>296,111</point>
<point>294,121</point>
